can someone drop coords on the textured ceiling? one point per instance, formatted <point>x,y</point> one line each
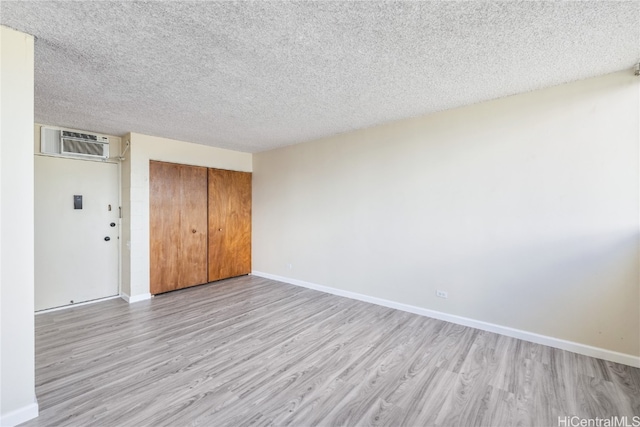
<point>251,76</point>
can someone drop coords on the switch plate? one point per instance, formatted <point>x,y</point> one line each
<point>77,201</point>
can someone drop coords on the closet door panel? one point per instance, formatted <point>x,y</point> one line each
<point>164,218</point>
<point>229,224</point>
<point>178,226</point>
<point>193,224</point>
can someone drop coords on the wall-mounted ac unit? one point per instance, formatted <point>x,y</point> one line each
<point>68,143</point>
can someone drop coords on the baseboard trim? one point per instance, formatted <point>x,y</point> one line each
<point>135,298</point>
<point>65,307</point>
<point>20,415</point>
<point>587,350</point>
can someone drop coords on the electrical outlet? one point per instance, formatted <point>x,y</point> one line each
<point>442,294</point>
<point>290,266</point>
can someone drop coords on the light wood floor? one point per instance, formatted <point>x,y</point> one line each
<point>253,351</point>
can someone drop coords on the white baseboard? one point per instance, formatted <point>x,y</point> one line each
<point>587,350</point>
<point>20,415</point>
<point>135,298</point>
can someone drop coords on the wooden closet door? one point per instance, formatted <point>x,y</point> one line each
<point>178,226</point>
<point>229,224</point>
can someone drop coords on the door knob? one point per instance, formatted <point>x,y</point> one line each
<point>106,239</point>
<point>193,231</point>
<point>113,224</point>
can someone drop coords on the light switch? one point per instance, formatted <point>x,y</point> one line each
<point>77,202</point>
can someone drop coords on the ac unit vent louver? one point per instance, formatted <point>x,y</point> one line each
<point>74,146</point>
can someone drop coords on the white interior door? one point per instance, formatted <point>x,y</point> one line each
<point>76,250</point>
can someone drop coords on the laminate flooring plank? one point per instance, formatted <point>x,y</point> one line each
<point>383,413</point>
<point>92,340</point>
<point>382,375</point>
<point>424,401</point>
<point>290,377</point>
<point>252,351</point>
<point>347,352</point>
<point>125,364</point>
<point>627,380</point>
<point>340,360</point>
<point>501,409</point>
<point>105,370</point>
<point>366,387</point>
<point>409,392</point>
<point>466,402</point>
<point>164,371</point>
<point>357,372</point>
<point>279,356</point>
<point>246,386</point>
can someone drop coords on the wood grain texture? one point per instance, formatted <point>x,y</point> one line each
<point>251,351</point>
<point>193,224</point>
<point>229,224</point>
<point>178,226</point>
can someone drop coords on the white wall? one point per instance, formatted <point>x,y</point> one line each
<point>17,360</point>
<point>525,210</point>
<point>144,148</point>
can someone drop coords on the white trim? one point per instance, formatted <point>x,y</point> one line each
<point>64,307</point>
<point>587,350</point>
<point>20,415</point>
<point>135,298</point>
